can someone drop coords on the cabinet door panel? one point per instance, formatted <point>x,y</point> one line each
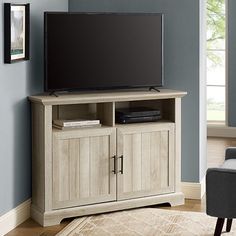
<point>148,160</point>
<point>82,167</point>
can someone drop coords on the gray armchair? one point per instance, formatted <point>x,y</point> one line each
<point>221,192</point>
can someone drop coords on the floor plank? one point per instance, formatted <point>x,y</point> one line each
<point>31,228</point>
<point>215,155</point>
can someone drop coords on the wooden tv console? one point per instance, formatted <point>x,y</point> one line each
<point>115,167</point>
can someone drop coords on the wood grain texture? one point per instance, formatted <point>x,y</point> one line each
<point>76,111</point>
<point>82,168</point>
<point>106,113</point>
<point>74,168</point>
<point>169,109</point>
<point>41,156</point>
<point>215,157</point>
<point>55,217</point>
<point>38,163</point>
<point>178,144</point>
<point>84,161</point>
<point>102,97</point>
<point>148,156</point>
<point>48,156</point>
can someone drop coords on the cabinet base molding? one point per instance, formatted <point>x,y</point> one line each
<point>56,216</point>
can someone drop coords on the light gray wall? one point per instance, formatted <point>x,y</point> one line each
<point>182,55</point>
<point>17,81</point>
<point>231,63</point>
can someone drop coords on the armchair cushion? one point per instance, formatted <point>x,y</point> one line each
<point>229,164</point>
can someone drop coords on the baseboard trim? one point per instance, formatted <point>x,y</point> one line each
<point>15,217</point>
<point>194,190</point>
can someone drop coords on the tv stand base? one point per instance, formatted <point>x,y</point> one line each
<point>54,217</point>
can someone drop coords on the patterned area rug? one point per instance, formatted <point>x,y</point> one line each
<point>144,222</point>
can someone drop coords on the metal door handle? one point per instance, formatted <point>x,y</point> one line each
<point>122,164</point>
<point>115,165</point>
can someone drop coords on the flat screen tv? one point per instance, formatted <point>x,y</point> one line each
<point>86,51</point>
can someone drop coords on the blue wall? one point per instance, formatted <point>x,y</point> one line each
<point>181,63</point>
<point>17,81</point>
<point>231,63</point>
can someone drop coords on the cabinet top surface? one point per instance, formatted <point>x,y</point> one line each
<point>105,96</point>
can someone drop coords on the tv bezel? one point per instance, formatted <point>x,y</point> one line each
<point>46,89</point>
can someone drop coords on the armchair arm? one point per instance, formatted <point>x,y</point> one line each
<point>221,192</point>
<point>230,153</point>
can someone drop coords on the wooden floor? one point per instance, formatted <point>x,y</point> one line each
<point>216,149</point>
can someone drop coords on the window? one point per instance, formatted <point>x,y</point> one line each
<point>216,54</point>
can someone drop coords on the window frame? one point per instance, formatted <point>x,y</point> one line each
<point>221,122</point>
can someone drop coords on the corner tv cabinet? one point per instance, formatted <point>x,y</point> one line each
<point>114,167</point>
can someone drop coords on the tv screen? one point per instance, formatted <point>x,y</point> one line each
<point>102,51</point>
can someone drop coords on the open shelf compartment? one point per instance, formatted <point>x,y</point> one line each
<point>101,111</point>
<point>166,107</point>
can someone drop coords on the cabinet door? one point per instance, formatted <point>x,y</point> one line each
<point>147,159</point>
<point>83,167</point>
